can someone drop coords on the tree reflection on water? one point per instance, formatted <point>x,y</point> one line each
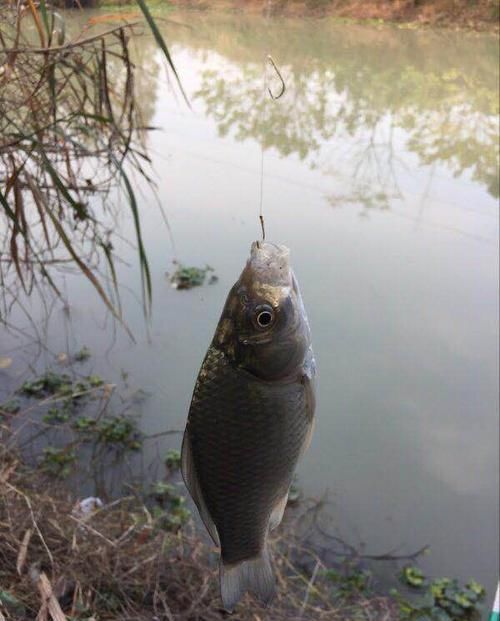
<point>378,91</point>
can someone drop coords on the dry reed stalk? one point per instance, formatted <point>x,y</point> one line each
<point>71,134</point>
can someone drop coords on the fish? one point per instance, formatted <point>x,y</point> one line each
<point>250,420</point>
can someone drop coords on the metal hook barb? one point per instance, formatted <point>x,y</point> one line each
<point>283,85</point>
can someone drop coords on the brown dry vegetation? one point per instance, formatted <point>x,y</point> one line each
<point>71,139</point>
<point>136,556</point>
<point>120,563</point>
<point>68,125</point>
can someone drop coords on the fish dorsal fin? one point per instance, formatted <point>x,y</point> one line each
<point>191,480</point>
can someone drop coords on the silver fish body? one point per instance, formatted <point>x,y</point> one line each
<point>251,418</point>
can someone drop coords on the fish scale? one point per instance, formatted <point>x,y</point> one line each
<point>236,424</point>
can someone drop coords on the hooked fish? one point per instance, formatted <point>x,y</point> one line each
<point>250,419</point>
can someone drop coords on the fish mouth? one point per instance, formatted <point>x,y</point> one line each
<point>269,264</point>
<point>263,248</point>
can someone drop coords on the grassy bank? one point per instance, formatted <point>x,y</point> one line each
<point>469,14</point>
<point>130,560</point>
<point>135,553</point>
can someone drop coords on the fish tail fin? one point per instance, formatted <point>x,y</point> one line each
<point>255,575</point>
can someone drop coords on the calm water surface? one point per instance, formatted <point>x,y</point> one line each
<point>381,175</point>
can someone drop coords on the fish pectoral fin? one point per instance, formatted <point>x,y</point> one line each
<point>191,480</point>
<point>310,402</point>
<point>277,512</point>
<point>254,575</point>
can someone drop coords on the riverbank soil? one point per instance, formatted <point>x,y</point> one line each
<point>473,14</point>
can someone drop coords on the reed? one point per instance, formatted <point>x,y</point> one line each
<point>70,135</point>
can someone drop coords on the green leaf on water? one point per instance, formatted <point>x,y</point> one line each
<point>476,588</point>
<point>95,380</point>
<point>186,277</point>
<point>173,459</point>
<point>82,354</point>
<point>413,576</point>
<point>10,407</point>
<point>147,288</point>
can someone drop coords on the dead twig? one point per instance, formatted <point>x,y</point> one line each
<point>49,601</point>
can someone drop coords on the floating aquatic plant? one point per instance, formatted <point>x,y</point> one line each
<point>173,459</point>
<point>185,277</point>
<point>82,354</point>
<point>58,461</point>
<point>440,599</point>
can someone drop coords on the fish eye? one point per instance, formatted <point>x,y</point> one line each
<point>264,316</point>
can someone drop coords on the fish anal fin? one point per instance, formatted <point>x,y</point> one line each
<point>277,512</point>
<point>191,480</point>
<point>307,440</point>
<point>254,575</point>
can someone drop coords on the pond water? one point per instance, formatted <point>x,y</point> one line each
<point>380,172</point>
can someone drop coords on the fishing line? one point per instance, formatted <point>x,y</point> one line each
<point>261,197</point>
<point>261,215</point>
<point>267,61</point>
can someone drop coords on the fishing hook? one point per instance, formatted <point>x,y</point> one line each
<point>283,85</point>
<point>263,228</point>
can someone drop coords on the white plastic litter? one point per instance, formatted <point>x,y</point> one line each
<point>87,506</point>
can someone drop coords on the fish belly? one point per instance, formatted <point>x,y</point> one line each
<point>246,437</point>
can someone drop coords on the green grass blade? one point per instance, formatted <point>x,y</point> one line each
<point>109,258</point>
<point>7,208</point>
<point>161,43</point>
<point>85,269</point>
<point>59,183</point>
<point>145,272</point>
<point>51,69</point>
<point>45,16</point>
